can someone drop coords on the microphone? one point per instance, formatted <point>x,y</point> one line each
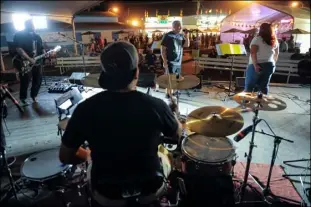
<point>244,132</point>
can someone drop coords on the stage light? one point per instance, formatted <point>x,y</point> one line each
<point>39,22</point>
<point>114,9</point>
<point>135,23</point>
<point>19,20</point>
<point>294,4</point>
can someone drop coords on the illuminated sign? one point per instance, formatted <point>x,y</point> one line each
<point>162,21</point>
<point>209,21</point>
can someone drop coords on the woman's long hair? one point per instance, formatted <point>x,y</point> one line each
<point>266,32</point>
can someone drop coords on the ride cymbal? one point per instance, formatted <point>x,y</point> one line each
<point>186,82</point>
<point>215,121</point>
<point>266,103</point>
<point>91,80</point>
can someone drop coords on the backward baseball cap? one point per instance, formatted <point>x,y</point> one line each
<point>119,62</point>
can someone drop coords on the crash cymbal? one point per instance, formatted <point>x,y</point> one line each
<point>215,121</point>
<point>91,80</point>
<point>187,82</point>
<point>266,103</point>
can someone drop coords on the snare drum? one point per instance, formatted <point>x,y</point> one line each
<point>45,167</point>
<point>207,155</point>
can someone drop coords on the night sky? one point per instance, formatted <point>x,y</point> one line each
<point>137,8</point>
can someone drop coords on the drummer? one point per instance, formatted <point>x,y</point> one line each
<point>122,127</point>
<point>172,51</point>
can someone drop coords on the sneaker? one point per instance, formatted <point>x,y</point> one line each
<point>24,102</point>
<point>35,99</point>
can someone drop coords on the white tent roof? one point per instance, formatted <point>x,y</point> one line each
<point>264,12</point>
<point>56,10</point>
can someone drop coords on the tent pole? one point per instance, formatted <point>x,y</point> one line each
<point>2,63</point>
<point>74,35</point>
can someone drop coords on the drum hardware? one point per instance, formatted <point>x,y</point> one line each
<point>172,81</point>
<point>201,155</point>
<point>251,146</point>
<point>266,103</point>
<point>216,121</point>
<point>277,140</point>
<point>4,93</point>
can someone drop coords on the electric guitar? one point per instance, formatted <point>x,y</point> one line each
<point>24,66</point>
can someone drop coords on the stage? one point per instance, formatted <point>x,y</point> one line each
<point>36,130</point>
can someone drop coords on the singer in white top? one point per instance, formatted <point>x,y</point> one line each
<point>264,50</point>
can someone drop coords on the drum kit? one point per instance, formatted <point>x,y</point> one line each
<point>204,150</point>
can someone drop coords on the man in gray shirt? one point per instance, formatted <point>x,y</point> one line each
<point>172,50</point>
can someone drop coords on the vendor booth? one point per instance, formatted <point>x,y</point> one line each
<point>283,17</point>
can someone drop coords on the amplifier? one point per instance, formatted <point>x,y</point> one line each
<point>76,78</point>
<point>146,80</point>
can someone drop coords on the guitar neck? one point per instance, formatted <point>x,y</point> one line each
<point>41,56</point>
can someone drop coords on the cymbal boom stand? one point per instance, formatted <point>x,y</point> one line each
<point>4,164</point>
<point>249,155</point>
<point>277,140</point>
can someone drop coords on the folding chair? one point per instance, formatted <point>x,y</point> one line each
<point>64,104</point>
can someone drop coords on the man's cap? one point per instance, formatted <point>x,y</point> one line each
<point>119,64</point>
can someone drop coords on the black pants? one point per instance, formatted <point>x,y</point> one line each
<point>36,74</point>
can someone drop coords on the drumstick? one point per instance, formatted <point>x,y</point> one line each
<point>170,87</point>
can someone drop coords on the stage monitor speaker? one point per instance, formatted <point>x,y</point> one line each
<point>146,80</point>
<point>76,78</point>
<point>239,83</point>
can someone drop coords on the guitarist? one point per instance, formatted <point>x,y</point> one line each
<point>28,45</point>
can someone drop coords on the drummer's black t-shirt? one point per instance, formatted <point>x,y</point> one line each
<point>123,131</point>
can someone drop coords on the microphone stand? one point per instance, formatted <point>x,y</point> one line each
<point>81,48</point>
<point>4,164</point>
<point>277,140</point>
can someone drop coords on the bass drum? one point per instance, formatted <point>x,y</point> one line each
<point>212,156</point>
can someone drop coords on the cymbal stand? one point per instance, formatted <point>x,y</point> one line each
<point>249,155</point>
<point>4,163</point>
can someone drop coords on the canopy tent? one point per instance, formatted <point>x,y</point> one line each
<point>54,10</point>
<point>62,11</point>
<point>284,17</point>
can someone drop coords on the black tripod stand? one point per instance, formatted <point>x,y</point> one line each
<point>277,140</point>
<point>4,92</point>
<point>229,91</point>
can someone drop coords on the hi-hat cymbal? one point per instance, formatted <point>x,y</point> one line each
<point>266,103</point>
<point>91,80</point>
<point>187,82</point>
<point>215,121</point>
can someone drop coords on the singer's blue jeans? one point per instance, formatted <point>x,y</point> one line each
<point>259,81</point>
